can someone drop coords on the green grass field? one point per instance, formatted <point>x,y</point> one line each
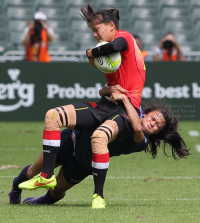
<point>137,189</point>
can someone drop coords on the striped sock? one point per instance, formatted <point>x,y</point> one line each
<point>100,164</point>
<point>51,145</point>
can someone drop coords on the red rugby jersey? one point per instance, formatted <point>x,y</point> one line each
<point>131,74</point>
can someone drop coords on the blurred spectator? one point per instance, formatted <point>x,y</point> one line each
<point>145,55</point>
<point>35,39</point>
<point>169,49</point>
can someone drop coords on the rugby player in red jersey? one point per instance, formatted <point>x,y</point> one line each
<point>108,120</point>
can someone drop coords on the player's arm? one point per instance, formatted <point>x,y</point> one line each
<point>138,134</point>
<point>108,90</point>
<point>116,45</point>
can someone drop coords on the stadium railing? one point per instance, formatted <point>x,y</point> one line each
<point>79,56</point>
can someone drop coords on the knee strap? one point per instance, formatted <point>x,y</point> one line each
<point>100,139</point>
<point>63,116</point>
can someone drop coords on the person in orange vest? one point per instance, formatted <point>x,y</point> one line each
<point>35,39</point>
<point>169,49</point>
<point>144,53</point>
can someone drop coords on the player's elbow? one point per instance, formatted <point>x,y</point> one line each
<point>137,128</point>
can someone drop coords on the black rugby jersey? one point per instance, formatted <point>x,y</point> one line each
<point>83,150</point>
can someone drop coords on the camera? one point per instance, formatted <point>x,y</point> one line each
<point>36,37</point>
<point>38,25</point>
<point>168,45</point>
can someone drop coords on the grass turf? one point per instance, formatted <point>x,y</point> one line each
<point>137,188</point>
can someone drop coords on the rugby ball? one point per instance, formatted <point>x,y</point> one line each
<point>108,64</point>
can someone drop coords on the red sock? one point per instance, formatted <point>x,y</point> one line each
<point>100,164</point>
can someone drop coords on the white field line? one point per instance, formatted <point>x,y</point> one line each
<point>13,149</point>
<point>140,178</point>
<point>193,133</point>
<point>153,178</point>
<point>198,148</point>
<point>141,199</point>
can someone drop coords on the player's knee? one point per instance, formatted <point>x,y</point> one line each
<point>51,115</point>
<point>52,120</point>
<point>99,141</point>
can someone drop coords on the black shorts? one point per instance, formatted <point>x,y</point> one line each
<point>90,115</point>
<point>72,170</point>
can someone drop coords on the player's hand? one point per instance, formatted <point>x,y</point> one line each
<point>90,56</point>
<point>114,97</point>
<point>108,90</point>
<point>117,89</point>
<point>31,24</point>
<point>44,24</point>
<point>170,37</point>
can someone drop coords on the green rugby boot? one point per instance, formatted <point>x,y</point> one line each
<point>38,182</point>
<point>98,202</point>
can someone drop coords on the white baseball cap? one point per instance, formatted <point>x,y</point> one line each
<point>40,16</point>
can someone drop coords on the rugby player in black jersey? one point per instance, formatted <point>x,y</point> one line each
<point>157,125</point>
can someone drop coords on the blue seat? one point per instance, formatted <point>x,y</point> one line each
<point>61,47</point>
<point>2,24</point>
<point>187,47</point>
<point>2,36</point>
<point>150,37</point>
<point>150,47</point>
<point>124,25</point>
<point>61,37</point>
<point>172,3</point>
<point>77,25</point>
<point>54,12</point>
<point>19,13</point>
<point>19,3</point>
<point>17,25</point>
<point>1,12</point>
<point>174,13</point>
<point>185,37</point>
<point>78,3</point>
<point>151,25</point>
<point>177,26</point>
<point>140,3</point>
<point>143,13</point>
<point>115,3</point>
<point>195,14</point>
<point>83,38</point>
<point>58,24</point>
<point>193,4</point>
<point>48,3</point>
<point>15,38</point>
<point>73,13</point>
<point>197,27</point>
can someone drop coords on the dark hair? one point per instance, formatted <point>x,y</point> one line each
<point>102,15</point>
<point>136,36</point>
<point>168,135</point>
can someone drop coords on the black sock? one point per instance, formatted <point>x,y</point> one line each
<point>99,176</point>
<point>20,178</point>
<point>51,145</point>
<point>49,160</point>
<point>47,199</point>
<point>100,164</point>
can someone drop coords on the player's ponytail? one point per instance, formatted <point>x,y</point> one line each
<point>87,13</point>
<point>102,15</point>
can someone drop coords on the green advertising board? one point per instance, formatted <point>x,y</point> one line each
<point>28,90</point>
